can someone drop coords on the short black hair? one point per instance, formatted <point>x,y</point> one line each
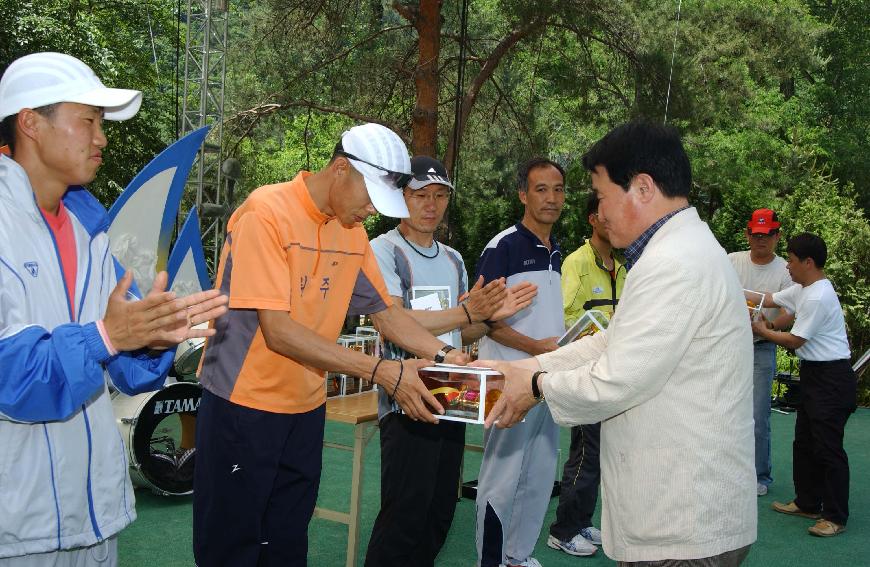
<point>807,245</point>
<point>592,204</point>
<point>9,128</point>
<point>524,169</point>
<point>643,147</point>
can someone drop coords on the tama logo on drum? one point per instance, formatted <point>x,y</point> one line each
<point>176,406</point>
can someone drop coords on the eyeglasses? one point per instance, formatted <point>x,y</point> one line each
<point>397,179</point>
<point>438,197</point>
<point>760,235</point>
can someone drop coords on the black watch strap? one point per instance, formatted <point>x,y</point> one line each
<point>442,354</point>
<point>536,390</point>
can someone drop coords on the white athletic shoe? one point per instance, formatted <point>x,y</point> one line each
<point>577,545</point>
<point>530,562</point>
<point>592,535</point>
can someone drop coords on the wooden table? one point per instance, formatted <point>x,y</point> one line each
<point>361,411</point>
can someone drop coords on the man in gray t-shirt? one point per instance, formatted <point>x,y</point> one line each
<point>760,269</point>
<point>420,462</point>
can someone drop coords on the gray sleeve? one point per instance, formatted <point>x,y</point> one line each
<point>385,254</point>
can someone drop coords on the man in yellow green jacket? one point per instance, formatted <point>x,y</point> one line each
<point>592,278</point>
<point>592,275</point>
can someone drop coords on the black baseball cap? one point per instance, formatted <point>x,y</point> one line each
<point>428,171</point>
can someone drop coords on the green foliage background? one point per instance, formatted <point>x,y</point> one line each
<point>771,98</point>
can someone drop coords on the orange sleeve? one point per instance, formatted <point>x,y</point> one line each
<point>370,293</point>
<point>260,278</point>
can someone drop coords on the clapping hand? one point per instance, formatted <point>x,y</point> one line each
<point>483,300</point>
<point>160,320</point>
<point>518,298</point>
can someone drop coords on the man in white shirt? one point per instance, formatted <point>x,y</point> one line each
<point>671,376</point>
<point>759,268</point>
<point>828,385</point>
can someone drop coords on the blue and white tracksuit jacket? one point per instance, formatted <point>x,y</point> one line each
<point>63,468</point>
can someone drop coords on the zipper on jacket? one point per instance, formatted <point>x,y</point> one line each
<point>69,302</point>
<point>86,282</point>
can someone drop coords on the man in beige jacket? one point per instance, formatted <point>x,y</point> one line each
<point>671,378</point>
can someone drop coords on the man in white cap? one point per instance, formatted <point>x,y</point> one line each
<point>66,324</point>
<point>296,261</point>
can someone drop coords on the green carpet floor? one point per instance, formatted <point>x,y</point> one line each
<point>162,534</point>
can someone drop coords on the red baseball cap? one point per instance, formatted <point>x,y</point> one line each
<point>763,221</point>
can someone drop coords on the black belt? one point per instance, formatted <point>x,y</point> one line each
<point>826,362</point>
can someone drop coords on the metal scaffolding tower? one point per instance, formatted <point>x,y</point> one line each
<point>203,105</point>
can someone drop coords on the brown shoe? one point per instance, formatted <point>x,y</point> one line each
<point>826,528</point>
<point>792,509</point>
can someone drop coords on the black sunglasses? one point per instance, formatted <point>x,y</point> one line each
<point>396,179</point>
<point>759,235</point>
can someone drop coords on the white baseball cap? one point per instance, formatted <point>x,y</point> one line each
<point>47,78</point>
<point>380,155</point>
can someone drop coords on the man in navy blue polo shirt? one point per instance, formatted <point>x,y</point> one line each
<point>513,490</point>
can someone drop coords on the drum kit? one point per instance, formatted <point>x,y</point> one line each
<point>158,428</point>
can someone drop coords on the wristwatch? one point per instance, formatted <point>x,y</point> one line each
<point>442,354</point>
<point>536,390</point>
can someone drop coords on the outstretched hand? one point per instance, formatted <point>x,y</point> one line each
<point>413,396</point>
<point>483,300</point>
<point>457,357</point>
<point>516,399</point>
<point>160,320</point>
<point>518,298</point>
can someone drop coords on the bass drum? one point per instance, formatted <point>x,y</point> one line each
<point>187,356</point>
<point>158,429</point>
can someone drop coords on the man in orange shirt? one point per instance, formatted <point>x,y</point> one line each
<point>295,262</point>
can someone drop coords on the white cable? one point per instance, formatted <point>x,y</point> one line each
<point>153,47</point>
<point>673,53</point>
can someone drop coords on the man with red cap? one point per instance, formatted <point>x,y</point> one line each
<point>760,269</point>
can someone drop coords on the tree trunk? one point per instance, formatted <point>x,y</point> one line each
<point>424,120</point>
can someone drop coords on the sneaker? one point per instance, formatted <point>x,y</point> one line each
<point>577,545</point>
<point>762,489</point>
<point>826,528</point>
<point>530,562</point>
<point>792,509</point>
<point>592,535</point>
